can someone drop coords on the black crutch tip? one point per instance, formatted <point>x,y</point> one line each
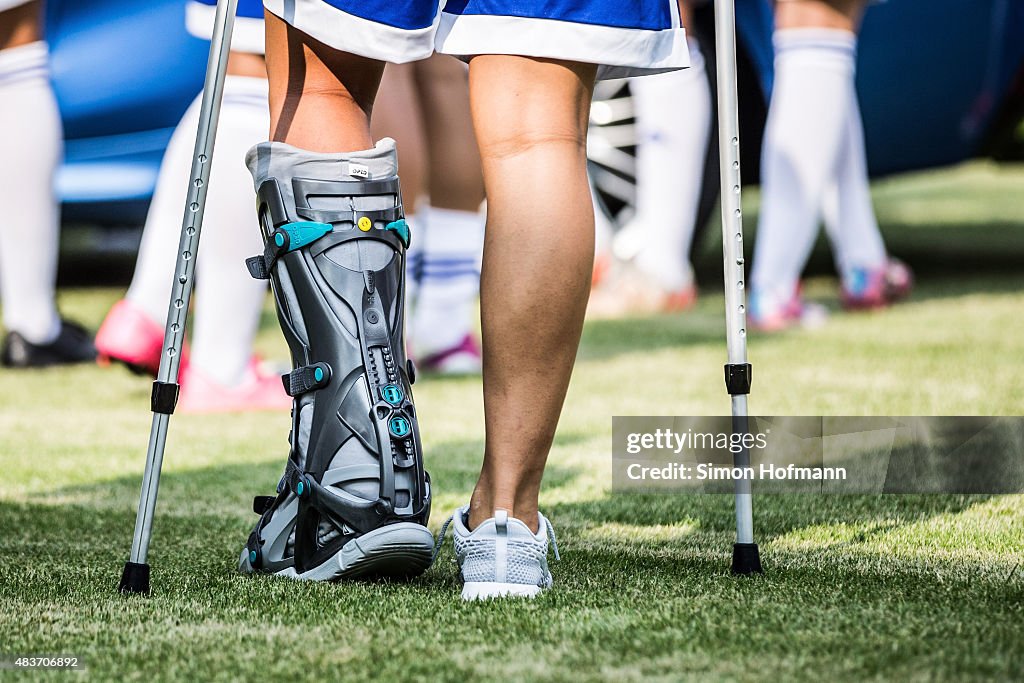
<point>746,559</point>
<point>134,579</point>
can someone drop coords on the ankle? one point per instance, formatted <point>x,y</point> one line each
<point>482,507</point>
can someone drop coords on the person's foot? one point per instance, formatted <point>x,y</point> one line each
<point>462,359</point>
<point>767,315</point>
<point>602,265</point>
<point>865,288</point>
<point>631,292</point>
<point>129,336</point>
<point>258,390</point>
<point>501,557</point>
<point>73,345</point>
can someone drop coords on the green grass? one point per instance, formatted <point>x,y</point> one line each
<point>888,587</point>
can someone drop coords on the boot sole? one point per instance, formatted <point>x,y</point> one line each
<point>396,551</point>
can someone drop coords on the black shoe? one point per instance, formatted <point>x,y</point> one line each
<point>72,345</point>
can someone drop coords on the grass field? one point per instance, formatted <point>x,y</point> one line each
<point>888,587</point>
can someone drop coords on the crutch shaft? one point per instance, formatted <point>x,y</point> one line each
<point>738,374</point>
<point>165,389</point>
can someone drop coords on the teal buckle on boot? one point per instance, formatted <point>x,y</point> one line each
<point>402,228</point>
<point>288,237</point>
<point>292,236</point>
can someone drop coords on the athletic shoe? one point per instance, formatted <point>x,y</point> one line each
<point>72,345</point>
<point>764,316</point>
<point>631,292</point>
<point>462,359</point>
<point>876,288</point>
<point>501,557</point>
<point>602,265</point>
<point>258,390</point>
<point>131,337</point>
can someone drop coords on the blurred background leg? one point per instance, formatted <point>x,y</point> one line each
<point>815,62</point>
<point>30,224</point>
<point>443,327</point>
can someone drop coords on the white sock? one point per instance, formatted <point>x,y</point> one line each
<point>814,70</point>
<point>228,301</point>
<point>847,210</point>
<point>413,262</point>
<point>673,114</point>
<point>30,220</point>
<point>451,279</point>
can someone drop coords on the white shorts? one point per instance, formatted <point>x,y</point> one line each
<point>624,37</point>
<point>248,34</point>
<point>11,4</point>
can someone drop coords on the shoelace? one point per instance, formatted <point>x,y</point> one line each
<point>554,541</point>
<point>448,523</point>
<point>440,538</point>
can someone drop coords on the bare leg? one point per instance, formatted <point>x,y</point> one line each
<point>398,116</point>
<point>531,123</point>
<point>310,84</point>
<point>453,240</point>
<point>455,179</point>
<point>838,14</point>
<point>531,120</point>
<point>21,25</point>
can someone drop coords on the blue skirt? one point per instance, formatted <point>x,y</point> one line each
<point>248,35</point>
<point>624,37</point>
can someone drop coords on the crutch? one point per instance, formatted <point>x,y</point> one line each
<point>135,578</point>
<point>745,557</point>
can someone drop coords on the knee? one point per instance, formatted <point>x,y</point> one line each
<point>526,140</point>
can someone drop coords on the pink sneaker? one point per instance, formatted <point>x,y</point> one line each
<point>259,390</point>
<point>764,317</point>
<point>462,359</point>
<point>131,337</point>
<point>629,292</point>
<point>867,289</point>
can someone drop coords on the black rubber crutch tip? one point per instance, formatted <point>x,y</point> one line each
<point>746,559</point>
<point>134,579</point>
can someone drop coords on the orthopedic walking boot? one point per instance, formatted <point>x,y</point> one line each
<point>355,497</point>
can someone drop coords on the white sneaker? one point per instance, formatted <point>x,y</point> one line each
<point>501,557</point>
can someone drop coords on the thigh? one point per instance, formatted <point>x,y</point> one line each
<point>520,102</point>
<point>303,71</point>
<point>839,14</point>
<point>396,31</point>
<point>21,22</point>
<point>621,39</point>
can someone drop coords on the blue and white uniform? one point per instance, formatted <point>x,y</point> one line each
<point>624,37</point>
<point>249,33</point>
